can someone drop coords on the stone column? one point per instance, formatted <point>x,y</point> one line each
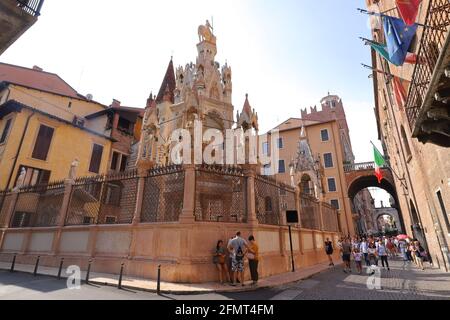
<point>142,173</point>
<point>252,218</point>
<point>9,212</point>
<point>10,209</point>
<point>298,206</point>
<point>188,213</point>
<point>139,196</point>
<point>322,228</point>
<point>68,187</point>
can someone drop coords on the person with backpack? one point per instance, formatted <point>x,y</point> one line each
<point>238,248</point>
<point>329,251</point>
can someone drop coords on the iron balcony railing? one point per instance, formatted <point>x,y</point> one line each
<point>32,7</point>
<point>435,32</point>
<point>360,166</point>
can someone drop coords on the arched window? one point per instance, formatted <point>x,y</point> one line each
<point>405,142</point>
<point>306,185</point>
<point>268,204</point>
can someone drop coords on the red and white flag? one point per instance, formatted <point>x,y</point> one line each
<point>408,10</point>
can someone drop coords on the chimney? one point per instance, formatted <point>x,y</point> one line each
<point>115,104</point>
<point>37,68</point>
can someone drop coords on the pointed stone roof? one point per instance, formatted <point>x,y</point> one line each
<point>168,84</point>
<point>247,108</point>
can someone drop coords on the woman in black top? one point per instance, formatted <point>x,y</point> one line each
<point>329,251</point>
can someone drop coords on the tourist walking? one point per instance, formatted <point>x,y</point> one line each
<point>372,253</point>
<point>219,259</point>
<point>253,258</point>
<point>237,248</point>
<point>346,250</point>
<point>418,254</point>
<point>391,248</point>
<point>329,251</point>
<point>383,254</point>
<point>363,249</point>
<point>357,256</point>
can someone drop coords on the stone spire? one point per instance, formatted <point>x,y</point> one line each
<point>168,85</point>
<point>248,118</point>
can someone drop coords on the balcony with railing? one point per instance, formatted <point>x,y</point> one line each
<point>16,17</point>
<point>359,166</point>
<point>32,7</point>
<point>427,107</point>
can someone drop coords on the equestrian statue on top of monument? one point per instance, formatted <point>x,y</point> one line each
<point>206,33</point>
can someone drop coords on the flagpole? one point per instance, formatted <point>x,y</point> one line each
<point>377,70</point>
<point>389,166</point>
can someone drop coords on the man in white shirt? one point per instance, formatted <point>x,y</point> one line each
<point>363,248</point>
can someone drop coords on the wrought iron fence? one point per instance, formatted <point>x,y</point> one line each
<point>163,195</point>
<point>434,36</point>
<point>5,200</point>
<point>32,7</point>
<point>287,198</point>
<point>107,199</point>
<point>38,206</point>
<point>267,196</point>
<point>220,194</point>
<point>310,214</point>
<point>330,216</point>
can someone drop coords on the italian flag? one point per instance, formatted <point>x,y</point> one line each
<point>379,163</point>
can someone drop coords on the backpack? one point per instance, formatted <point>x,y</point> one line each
<point>239,254</point>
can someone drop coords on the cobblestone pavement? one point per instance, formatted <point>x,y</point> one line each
<point>402,282</point>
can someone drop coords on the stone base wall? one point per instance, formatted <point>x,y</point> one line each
<point>184,251</point>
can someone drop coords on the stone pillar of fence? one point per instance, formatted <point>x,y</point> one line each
<point>298,207</point>
<point>188,213</point>
<point>139,196</point>
<point>252,219</point>
<point>8,212</point>
<point>10,209</point>
<point>322,226</point>
<point>68,187</point>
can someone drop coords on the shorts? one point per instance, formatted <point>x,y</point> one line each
<point>237,265</point>
<point>346,257</point>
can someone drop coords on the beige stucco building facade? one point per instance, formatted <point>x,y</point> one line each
<point>312,153</point>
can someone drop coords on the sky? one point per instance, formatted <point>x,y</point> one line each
<point>286,54</point>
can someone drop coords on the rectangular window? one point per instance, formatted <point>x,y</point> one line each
<point>267,170</point>
<point>280,143</point>
<point>5,132</point>
<point>114,160</point>
<point>332,185</point>
<point>328,160</point>
<point>443,209</point>
<point>324,135</point>
<point>21,220</point>
<point>266,148</point>
<point>34,176</point>
<point>96,158</point>
<point>123,163</point>
<point>281,167</point>
<point>110,220</point>
<point>335,204</point>
<point>43,141</point>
